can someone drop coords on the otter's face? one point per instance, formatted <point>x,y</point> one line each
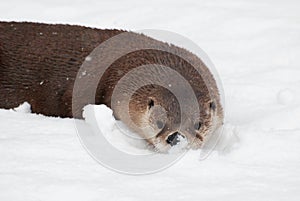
<point>170,130</point>
<point>165,126</point>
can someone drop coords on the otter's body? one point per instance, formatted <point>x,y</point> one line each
<point>39,64</point>
<point>39,61</point>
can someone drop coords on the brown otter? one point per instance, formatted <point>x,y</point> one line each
<point>39,63</point>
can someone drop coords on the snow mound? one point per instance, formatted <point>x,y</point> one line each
<point>100,118</point>
<point>23,108</point>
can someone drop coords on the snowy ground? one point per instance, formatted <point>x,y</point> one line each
<point>255,47</point>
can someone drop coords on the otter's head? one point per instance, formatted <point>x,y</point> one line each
<point>166,122</point>
<point>167,99</point>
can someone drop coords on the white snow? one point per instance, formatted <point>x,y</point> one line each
<point>285,96</point>
<point>23,108</point>
<point>88,58</point>
<point>99,117</point>
<point>255,47</point>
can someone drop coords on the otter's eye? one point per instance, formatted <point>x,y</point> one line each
<point>212,105</point>
<point>150,104</point>
<point>197,125</point>
<point>159,124</point>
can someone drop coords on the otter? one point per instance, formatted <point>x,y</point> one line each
<point>39,64</point>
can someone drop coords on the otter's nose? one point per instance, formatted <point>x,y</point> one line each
<point>174,138</point>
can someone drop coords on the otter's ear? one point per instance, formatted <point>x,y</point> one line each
<point>150,103</point>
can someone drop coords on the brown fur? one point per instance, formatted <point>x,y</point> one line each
<point>39,64</point>
<point>39,61</point>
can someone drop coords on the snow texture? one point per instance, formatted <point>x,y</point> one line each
<point>100,117</point>
<point>255,47</point>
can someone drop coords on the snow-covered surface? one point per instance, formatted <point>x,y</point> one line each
<point>100,119</point>
<point>255,47</point>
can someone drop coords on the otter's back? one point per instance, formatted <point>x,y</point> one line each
<point>39,61</point>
